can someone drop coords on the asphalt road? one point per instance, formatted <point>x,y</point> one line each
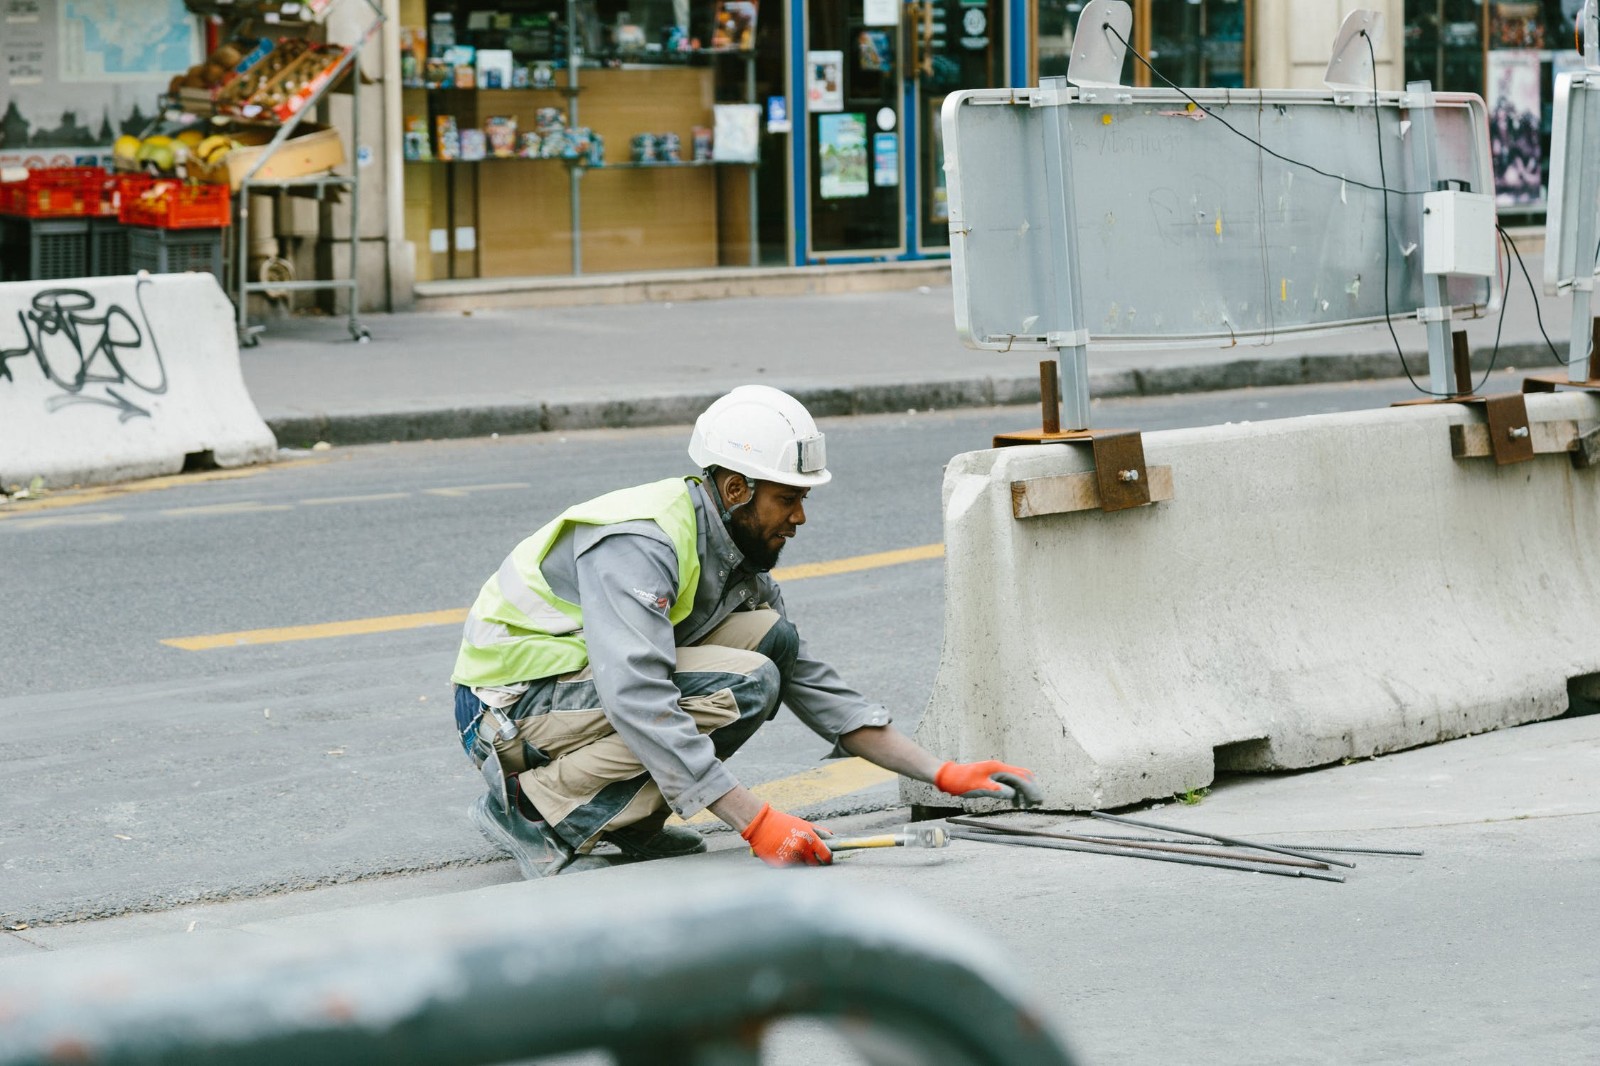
<point>142,775</point>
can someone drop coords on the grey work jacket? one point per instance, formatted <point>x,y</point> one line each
<point>621,575</point>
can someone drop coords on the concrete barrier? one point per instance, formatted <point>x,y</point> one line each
<point>1318,589</point>
<point>105,379</point>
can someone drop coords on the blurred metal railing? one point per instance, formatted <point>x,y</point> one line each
<point>665,971</point>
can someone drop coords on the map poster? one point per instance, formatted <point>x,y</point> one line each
<point>77,74</point>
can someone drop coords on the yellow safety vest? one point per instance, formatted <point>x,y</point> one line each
<point>520,630</point>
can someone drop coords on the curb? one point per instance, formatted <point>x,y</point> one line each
<point>375,427</point>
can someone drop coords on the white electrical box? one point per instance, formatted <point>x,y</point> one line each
<point>1458,233</point>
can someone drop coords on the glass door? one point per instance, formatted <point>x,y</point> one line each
<point>956,44</point>
<point>855,167</point>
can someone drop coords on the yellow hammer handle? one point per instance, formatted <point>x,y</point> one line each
<point>887,840</point>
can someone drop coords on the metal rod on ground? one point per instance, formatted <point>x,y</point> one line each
<point>1091,849</point>
<point>1235,841</point>
<point>1174,847</point>
<point>1404,852</point>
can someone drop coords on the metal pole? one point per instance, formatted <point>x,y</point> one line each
<point>1582,143</point>
<point>1236,841</point>
<point>1180,848</point>
<point>1091,849</point>
<point>1435,312</point>
<point>755,217</point>
<point>1071,343</point>
<point>353,323</point>
<point>574,173</point>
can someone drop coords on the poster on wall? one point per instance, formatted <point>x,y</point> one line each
<point>825,81</point>
<point>885,159</point>
<point>1513,99</point>
<point>842,150</point>
<point>80,73</point>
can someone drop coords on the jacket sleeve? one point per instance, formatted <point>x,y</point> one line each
<point>626,584</point>
<point>815,692</point>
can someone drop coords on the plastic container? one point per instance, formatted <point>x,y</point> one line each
<point>54,192</point>
<point>178,205</point>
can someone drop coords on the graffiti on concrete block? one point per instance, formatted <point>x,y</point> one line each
<point>94,355</point>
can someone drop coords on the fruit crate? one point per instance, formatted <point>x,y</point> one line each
<point>54,192</point>
<point>120,188</point>
<point>178,205</point>
<point>167,251</point>
<point>43,249</point>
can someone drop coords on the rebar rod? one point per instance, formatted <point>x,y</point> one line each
<point>1091,849</point>
<point>1219,838</point>
<point>1403,852</point>
<point>1176,847</point>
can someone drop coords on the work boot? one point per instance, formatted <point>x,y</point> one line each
<point>537,849</point>
<point>654,839</point>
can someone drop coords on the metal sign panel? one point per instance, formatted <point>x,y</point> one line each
<point>1573,206</point>
<point>1186,233</point>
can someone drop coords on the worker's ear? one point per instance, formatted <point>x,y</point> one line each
<point>735,488</point>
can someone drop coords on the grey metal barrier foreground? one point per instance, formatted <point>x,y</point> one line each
<point>658,970</point>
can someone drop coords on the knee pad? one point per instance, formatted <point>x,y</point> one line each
<point>781,645</point>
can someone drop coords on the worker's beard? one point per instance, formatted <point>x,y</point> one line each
<point>752,544</point>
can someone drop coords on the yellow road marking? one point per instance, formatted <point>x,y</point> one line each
<point>810,786</point>
<point>859,562</point>
<point>462,490</point>
<point>91,518</point>
<point>282,634</point>
<point>80,497</point>
<point>392,623</point>
<point>369,498</point>
<point>239,507</point>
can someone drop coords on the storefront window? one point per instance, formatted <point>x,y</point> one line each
<point>1511,52</point>
<point>1193,42</point>
<point>591,136</point>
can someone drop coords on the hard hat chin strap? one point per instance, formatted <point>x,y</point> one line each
<point>716,493</point>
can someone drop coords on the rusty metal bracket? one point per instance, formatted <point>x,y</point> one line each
<point>1510,435</point>
<point>1121,478</point>
<point>1551,382</point>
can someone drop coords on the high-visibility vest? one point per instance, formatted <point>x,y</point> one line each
<point>520,630</point>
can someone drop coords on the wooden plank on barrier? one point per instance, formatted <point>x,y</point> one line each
<point>1471,441</point>
<point>1065,493</point>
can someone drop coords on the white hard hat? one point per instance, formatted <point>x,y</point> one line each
<point>764,434</point>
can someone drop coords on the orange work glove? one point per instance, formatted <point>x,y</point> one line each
<point>779,839</point>
<point>989,779</point>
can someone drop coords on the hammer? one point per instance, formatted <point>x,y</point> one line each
<point>912,836</point>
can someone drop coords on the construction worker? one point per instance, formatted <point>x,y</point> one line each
<point>621,653</point>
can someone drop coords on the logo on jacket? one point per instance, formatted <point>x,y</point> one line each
<point>650,599</point>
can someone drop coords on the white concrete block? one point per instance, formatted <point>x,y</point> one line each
<point>106,379</point>
<point>1319,588</point>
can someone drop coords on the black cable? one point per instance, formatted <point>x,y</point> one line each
<point>1238,132</point>
<point>1534,293</point>
<point>1383,178</point>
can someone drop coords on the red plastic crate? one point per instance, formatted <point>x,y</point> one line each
<point>178,205</point>
<point>54,192</point>
<point>118,189</point>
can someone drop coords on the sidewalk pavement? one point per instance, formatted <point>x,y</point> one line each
<point>454,374</point>
<point>1482,951</point>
